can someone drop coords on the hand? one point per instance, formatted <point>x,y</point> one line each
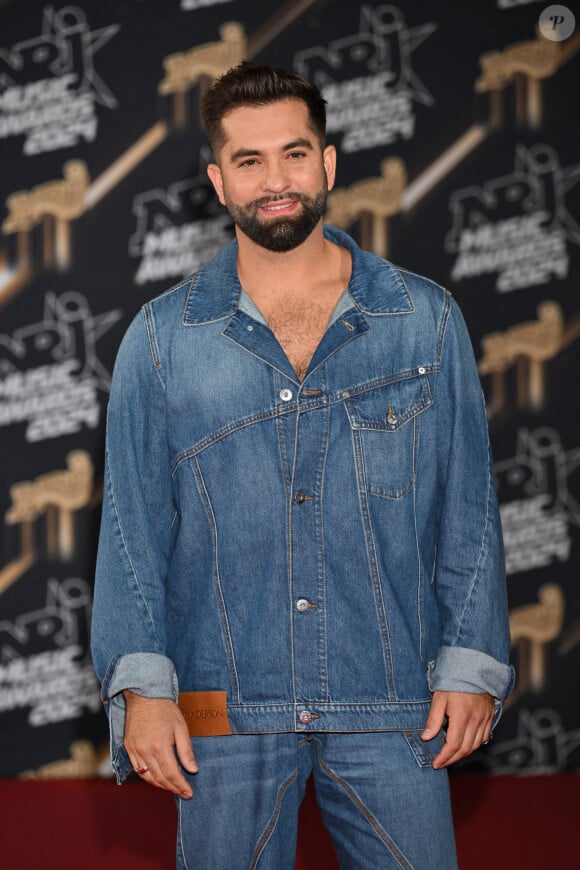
<point>153,728</point>
<point>470,717</point>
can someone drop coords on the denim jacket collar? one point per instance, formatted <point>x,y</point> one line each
<point>376,286</point>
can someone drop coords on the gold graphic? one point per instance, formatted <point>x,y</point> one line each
<point>203,63</point>
<point>85,762</point>
<point>532,627</point>
<point>524,64</point>
<point>69,198</point>
<point>372,201</point>
<point>528,346</point>
<point>125,164</point>
<point>56,204</point>
<point>56,496</point>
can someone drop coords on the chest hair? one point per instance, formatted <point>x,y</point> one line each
<point>299,327</point>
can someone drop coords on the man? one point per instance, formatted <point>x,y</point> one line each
<point>300,534</point>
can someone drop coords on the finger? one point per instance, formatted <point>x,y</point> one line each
<point>184,749</point>
<point>166,771</point>
<point>461,742</point>
<point>435,718</point>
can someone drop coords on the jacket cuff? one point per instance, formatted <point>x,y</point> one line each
<point>148,674</point>
<point>460,669</point>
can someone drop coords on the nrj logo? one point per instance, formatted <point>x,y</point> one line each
<point>367,79</point>
<point>517,225</point>
<point>43,662</point>
<point>49,85</point>
<point>536,503</point>
<point>50,373</point>
<point>178,230</point>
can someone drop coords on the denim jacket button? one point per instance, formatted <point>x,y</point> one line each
<point>300,497</point>
<point>305,717</point>
<point>302,604</point>
<point>285,395</point>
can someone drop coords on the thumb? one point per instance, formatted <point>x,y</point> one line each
<point>184,750</point>
<point>435,719</point>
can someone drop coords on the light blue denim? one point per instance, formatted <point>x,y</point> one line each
<point>327,552</point>
<point>382,803</point>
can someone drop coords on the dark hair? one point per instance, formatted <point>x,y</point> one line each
<point>252,84</point>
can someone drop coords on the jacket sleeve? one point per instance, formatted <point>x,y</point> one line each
<point>470,581</point>
<point>137,526</point>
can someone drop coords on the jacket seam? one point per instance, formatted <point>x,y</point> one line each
<point>291,408</point>
<point>479,557</point>
<point>443,325</point>
<point>137,585</point>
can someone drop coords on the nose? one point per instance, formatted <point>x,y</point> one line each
<point>276,177</point>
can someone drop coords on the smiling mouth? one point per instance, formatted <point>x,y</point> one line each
<point>280,207</point>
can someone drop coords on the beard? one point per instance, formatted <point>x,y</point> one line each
<point>279,234</point>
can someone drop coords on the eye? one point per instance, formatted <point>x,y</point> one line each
<point>249,161</point>
<point>297,155</point>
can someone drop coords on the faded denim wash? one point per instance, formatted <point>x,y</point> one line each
<point>328,552</point>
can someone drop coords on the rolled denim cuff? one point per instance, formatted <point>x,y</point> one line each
<point>459,669</point>
<point>148,674</point>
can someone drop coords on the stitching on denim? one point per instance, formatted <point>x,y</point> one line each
<point>413,412</point>
<point>180,802</point>
<point>153,346</point>
<point>226,633</point>
<point>136,584</point>
<point>421,576</point>
<point>269,830</point>
<point>289,539</point>
<point>291,377</point>
<point>387,841</point>
<point>332,351</point>
<point>289,408</point>
<point>482,550</point>
<point>443,324</point>
<point>282,446</point>
<point>399,272</point>
<point>209,440</point>
<point>320,532</point>
<point>373,564</point>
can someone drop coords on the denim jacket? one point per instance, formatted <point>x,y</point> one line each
<point>327,552</point>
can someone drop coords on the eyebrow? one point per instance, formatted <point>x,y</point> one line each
<point>254,152</point>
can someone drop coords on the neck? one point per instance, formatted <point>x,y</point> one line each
<point>259,268</point>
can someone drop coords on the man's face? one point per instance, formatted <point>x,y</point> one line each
<point>273,175</point>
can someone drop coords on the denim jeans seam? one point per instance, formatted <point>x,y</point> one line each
<point>270,827</point>
<point>373,566</point>
<point>225,626</point>
<point>180,834</point>
<point>389,844</point>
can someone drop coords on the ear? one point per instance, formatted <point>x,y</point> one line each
<point>215,176</point>
<point>329,160</point>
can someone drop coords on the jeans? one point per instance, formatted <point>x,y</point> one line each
<point>380,799</point>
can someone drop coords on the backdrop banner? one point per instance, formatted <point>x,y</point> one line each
<point>458,158</point>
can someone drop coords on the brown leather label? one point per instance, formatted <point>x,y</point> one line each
<point>205,713</point>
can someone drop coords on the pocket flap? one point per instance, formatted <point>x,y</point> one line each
<point>389,406</point>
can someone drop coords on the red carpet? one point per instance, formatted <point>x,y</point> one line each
<point>504,823</point>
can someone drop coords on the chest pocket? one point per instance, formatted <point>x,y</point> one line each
<point>385,428</point>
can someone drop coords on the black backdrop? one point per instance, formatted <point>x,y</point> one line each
<point>456,128</point>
